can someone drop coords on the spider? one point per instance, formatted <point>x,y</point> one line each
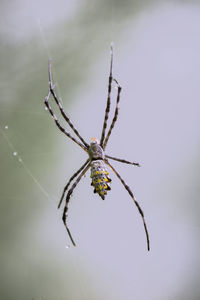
<point>97,160</point>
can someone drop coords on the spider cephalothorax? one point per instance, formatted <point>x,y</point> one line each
<point>98,160</point>
<point>95,150</point>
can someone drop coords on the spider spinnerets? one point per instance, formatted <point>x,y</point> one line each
<point>97,160</point>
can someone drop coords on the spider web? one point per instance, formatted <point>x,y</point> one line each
<point>27,170</point>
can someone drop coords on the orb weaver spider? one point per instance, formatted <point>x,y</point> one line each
<point>97,160</point>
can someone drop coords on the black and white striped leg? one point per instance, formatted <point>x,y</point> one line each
<point>108,100</point>
<point>136,203</point>
<point>64,217</point>
<point>123,160</point>
<point>70,180</point>
<point>58,124</point>
<point>51,87</point>
<point>115,115</point>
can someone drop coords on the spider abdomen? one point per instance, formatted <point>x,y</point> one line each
<point>100,178</point>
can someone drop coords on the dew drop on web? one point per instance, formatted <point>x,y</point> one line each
<point>6,127</point>
<point>15,153</point>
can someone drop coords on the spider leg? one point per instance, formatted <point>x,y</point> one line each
<point>136,203</point>
<point>58,124</point>
<point>115,115</point>
<point>70,180</point>
<point>123,160</point>
<point>51,88</point>
<point>108,100</point>
<point>64,217</point>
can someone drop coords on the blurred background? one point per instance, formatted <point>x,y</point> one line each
<point>157,63</point>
